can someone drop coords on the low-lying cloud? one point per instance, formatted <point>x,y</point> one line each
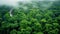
<point>15,2</point>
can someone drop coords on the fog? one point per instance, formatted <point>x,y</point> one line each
<point>15,2</point>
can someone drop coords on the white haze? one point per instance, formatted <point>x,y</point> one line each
<point>15,2</point>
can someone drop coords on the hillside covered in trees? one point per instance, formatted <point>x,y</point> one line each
<point>30,19</point>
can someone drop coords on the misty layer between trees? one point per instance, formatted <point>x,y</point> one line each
<point>30,18</point>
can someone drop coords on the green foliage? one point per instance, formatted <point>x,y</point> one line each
<point>13,32</point>
<point>30,21</point>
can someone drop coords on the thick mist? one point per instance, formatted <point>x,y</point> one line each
<point>15,2</point>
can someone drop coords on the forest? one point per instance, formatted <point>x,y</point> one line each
<point>29,19</point>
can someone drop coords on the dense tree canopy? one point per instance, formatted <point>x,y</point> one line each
<point>30,21</point>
